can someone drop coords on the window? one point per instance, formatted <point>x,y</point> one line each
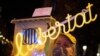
<point>30,36</point>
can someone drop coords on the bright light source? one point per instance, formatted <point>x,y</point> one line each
<point>7,40</point>
<point>84,47</point>
<point>39,42</point>
<point>98,54</point>
<point>1,36</point>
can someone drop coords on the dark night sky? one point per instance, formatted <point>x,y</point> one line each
<point>24,8</point>
<point>16,9</point>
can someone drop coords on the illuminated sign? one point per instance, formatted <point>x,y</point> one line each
<point>53,32</point>
<point>57,29</point>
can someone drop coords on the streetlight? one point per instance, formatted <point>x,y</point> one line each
<point>84,49</point>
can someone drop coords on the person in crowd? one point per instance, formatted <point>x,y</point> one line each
<point>64,45</point>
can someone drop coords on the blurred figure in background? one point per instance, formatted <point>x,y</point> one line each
<point>64,45</point>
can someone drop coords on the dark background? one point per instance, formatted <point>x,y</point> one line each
<point>87,35</point>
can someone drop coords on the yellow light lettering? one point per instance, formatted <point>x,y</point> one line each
<point>69,25</point>
<point>63,26</point>
<point>45,37</point>
<point>83,19</point>
<point>56,31</point>
<point>90,14</point>
<point>42,36</point>
<point>18,43</point>
<point>73,28</point>
<point>53,32</point>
